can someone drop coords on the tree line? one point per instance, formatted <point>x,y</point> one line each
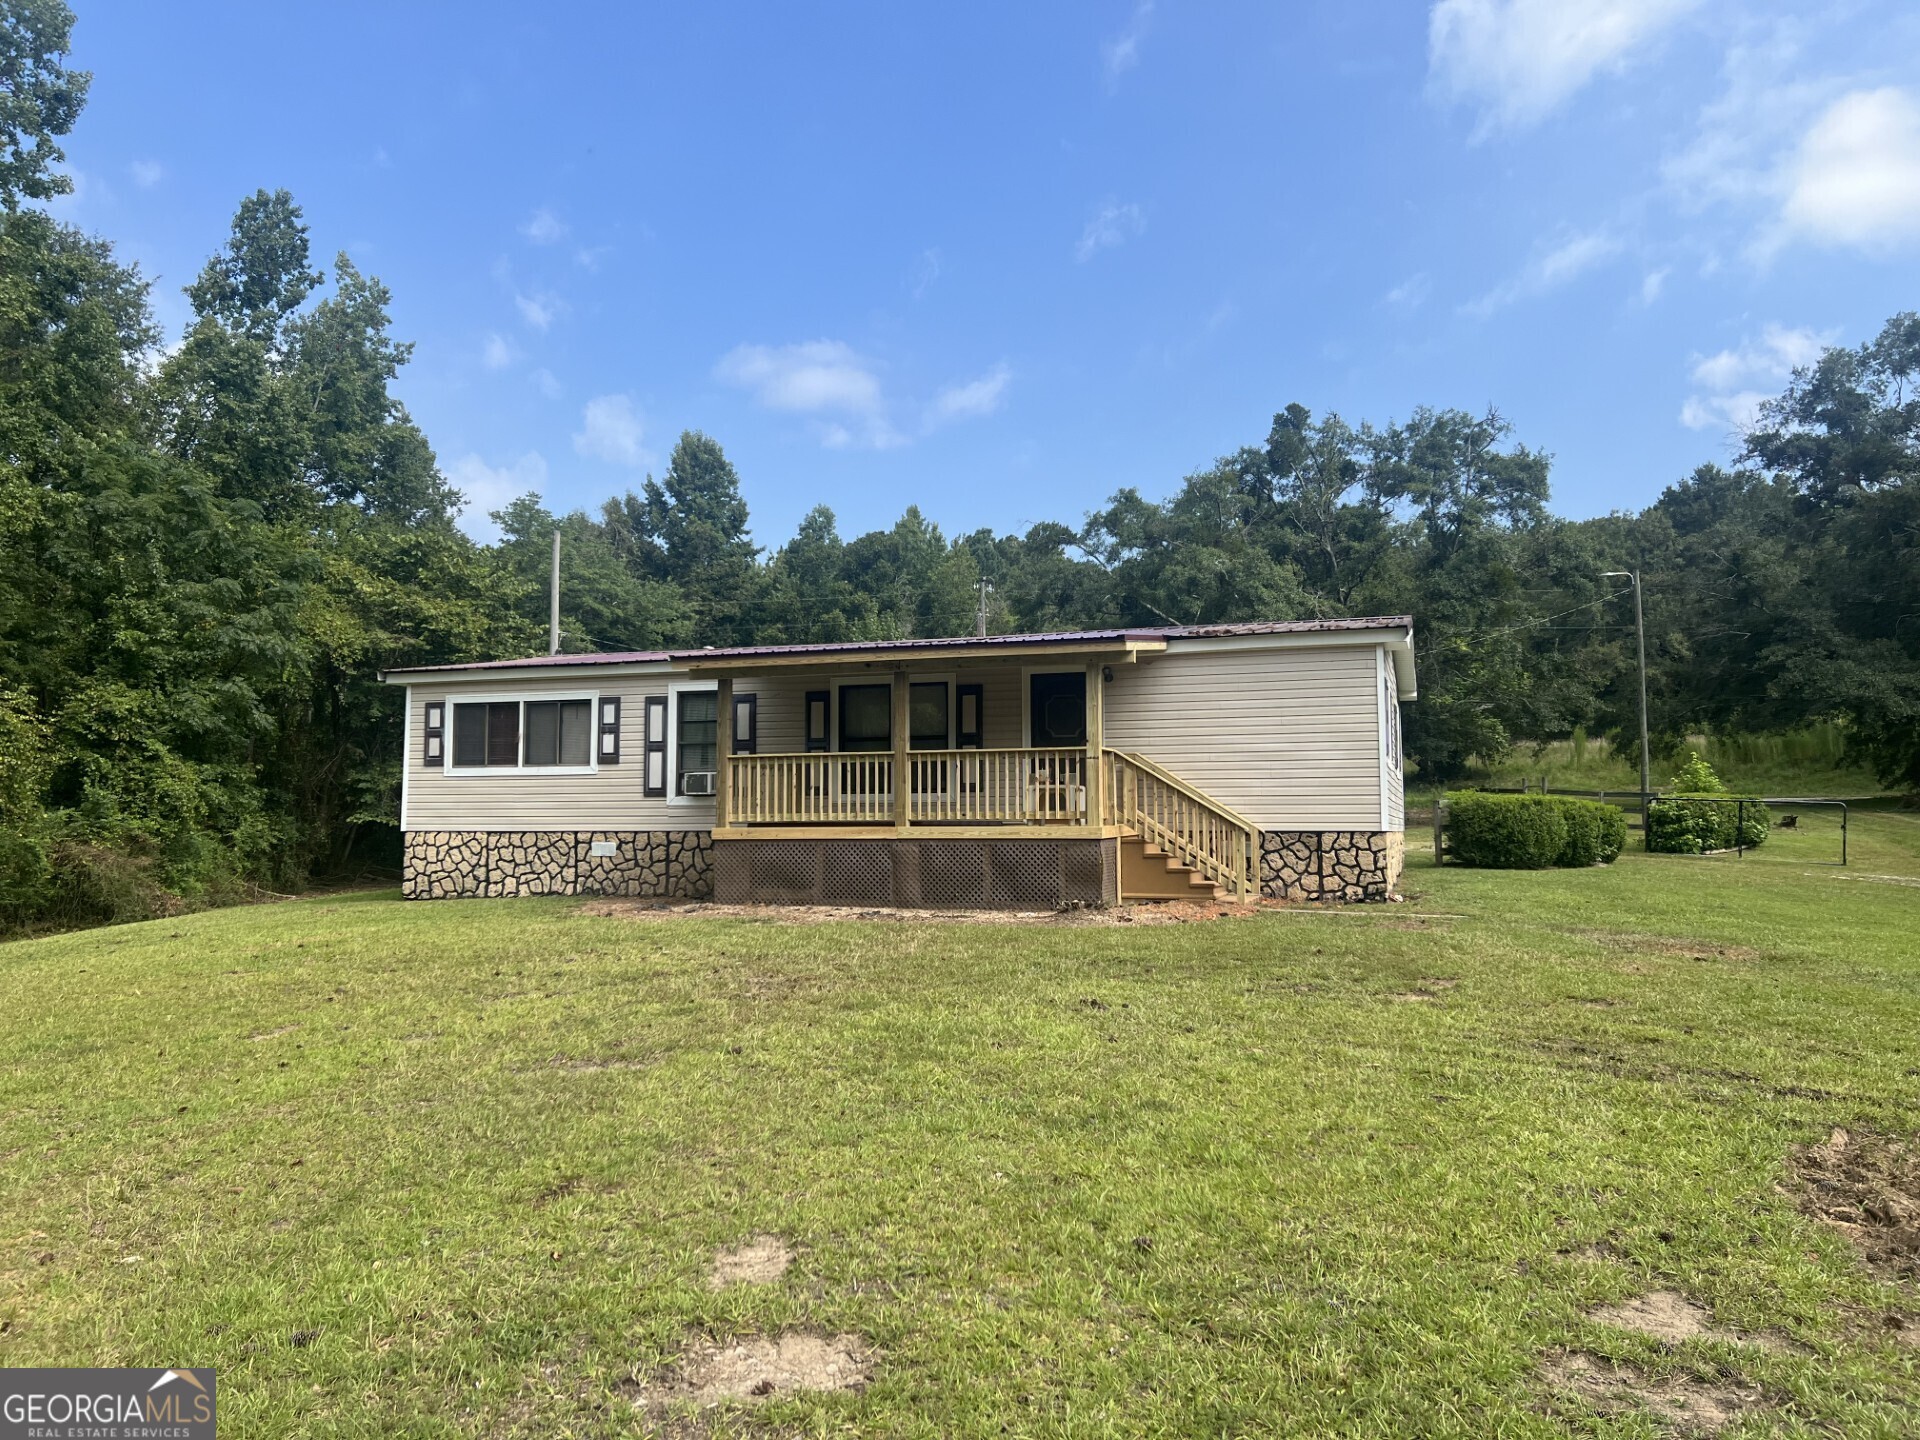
<point>211,543</point>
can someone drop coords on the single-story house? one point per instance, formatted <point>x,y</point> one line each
<point>1022,771</point>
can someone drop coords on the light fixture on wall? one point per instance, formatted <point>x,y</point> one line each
<point>1106,673</point>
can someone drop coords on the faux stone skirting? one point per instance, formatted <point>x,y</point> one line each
<point>918,873</point>
<point>454,864</point>
<point>1331,864</point>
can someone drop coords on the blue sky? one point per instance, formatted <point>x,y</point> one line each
<point>1001,260</point>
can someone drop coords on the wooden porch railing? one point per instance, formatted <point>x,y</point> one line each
<point>1188,824</point>
<point>954,787</point>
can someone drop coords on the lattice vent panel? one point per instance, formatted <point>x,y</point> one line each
<point>858,874</point>
<point>1082,873</point>
<point>783,872</point>
<point>1026,874</point>
<point>953,873</point>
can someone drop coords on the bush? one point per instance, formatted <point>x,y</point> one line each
<point>1596,833</point>
<point>1697,824</point>
<point>1700,816</point>
<point>1532,832</point>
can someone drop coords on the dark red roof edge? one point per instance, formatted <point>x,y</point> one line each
<point>950,642</point>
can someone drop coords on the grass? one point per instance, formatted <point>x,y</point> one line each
<point>460,1168</point>
<point>1811,761</point>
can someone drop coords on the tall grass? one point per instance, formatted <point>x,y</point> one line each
<point>1809,761</point>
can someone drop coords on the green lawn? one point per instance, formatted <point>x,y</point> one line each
<point>461,1168</point>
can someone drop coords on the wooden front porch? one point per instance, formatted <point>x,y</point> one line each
<point>1002,793</point>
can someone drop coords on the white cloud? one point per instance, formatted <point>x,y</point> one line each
<point>1548,270</point>
<point>496,353</point>
<point>543,227</point>
<point>1855,179</point>
<point>926,270</point>
<point>1653,284</point>
<point>147,173</point>
<point>611,432</point>
<point>1122,53</point>
<point>1733,384</point>
<point>490,487</point>
<point>1113,224</point>
<point>539,311</point>
<point>546,382</point>
<point>1518,60</point>
<point>974,398</point>
<point>808,378</point>
<point>1409,292</point>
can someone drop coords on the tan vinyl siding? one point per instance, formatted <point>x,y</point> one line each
<point>1289,737</point>
<point>611,799</point>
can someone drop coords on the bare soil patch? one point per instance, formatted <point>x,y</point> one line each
<point>1669,1316</point>
<point>1163,912</point>
<point>760,1261</point>
<point>754,1368</point>
<point>1690,1405</point>
<point>1867,1187</point>
<point>1674,946</point>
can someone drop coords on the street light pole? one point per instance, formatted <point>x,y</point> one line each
<point>1640,639</point>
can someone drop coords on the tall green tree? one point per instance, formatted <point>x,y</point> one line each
<point>39,99</point>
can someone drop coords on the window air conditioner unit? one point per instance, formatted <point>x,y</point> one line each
<point>697,782</point>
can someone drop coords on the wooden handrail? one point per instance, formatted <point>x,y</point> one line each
<point>1197,830</point>
<point>943,787</point>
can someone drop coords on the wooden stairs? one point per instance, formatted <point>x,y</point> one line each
<point>1176,842</point>
<point>1148,872</point>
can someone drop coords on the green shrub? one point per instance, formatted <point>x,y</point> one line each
<point>1532,832</point>
<point>1596,833</point>
<point>1700,816</point>
<point>1697,824</point>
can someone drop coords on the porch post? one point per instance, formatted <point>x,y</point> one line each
<point>1096,761</point>
<point>902,740</point>
<point>723,753</point>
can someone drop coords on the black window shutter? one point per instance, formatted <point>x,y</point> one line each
<point>746,724</point>
<point>609,743</point>
<point>969,716</point>
<point>435,752</point>
<point>819,733</point>
<point>655,744</point>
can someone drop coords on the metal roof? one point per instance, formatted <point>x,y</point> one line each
<point>1132,636</point>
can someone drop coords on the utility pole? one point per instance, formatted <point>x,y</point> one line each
<point>553,599</point>
<point>1640,639</point>
<point>983,610</point>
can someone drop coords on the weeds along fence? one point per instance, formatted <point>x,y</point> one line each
<point>1634,804</point>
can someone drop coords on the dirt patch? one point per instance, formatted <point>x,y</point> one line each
<point>1676,947</point>
<point>1668,1316</point>
<point>1867,1187</point>
<point>1165,912</point>
<point>592,1066</point>
<point>272,1034</point>
<point>760,1261</point>
<point>1428,988</point>
<point>1690,1405</point>
<point>754,1368</point>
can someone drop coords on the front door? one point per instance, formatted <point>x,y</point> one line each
<point>1057,710</point>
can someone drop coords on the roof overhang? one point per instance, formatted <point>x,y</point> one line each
<point>852,657</point>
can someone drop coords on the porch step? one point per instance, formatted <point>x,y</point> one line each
<point>1148,872</point>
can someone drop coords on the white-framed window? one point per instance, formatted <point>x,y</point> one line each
<point>693,741</point>
<point>522,734</point>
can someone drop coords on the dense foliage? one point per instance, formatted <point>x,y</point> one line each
<point>1699,816</point>
<point>209,550</point>
<point>1532,832</point>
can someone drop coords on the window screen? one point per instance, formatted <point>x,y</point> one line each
<point>557,732</point>
<point>866,717</point>
<point>486,735</point>
<point>927,707</point>
<point>699,738</point>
